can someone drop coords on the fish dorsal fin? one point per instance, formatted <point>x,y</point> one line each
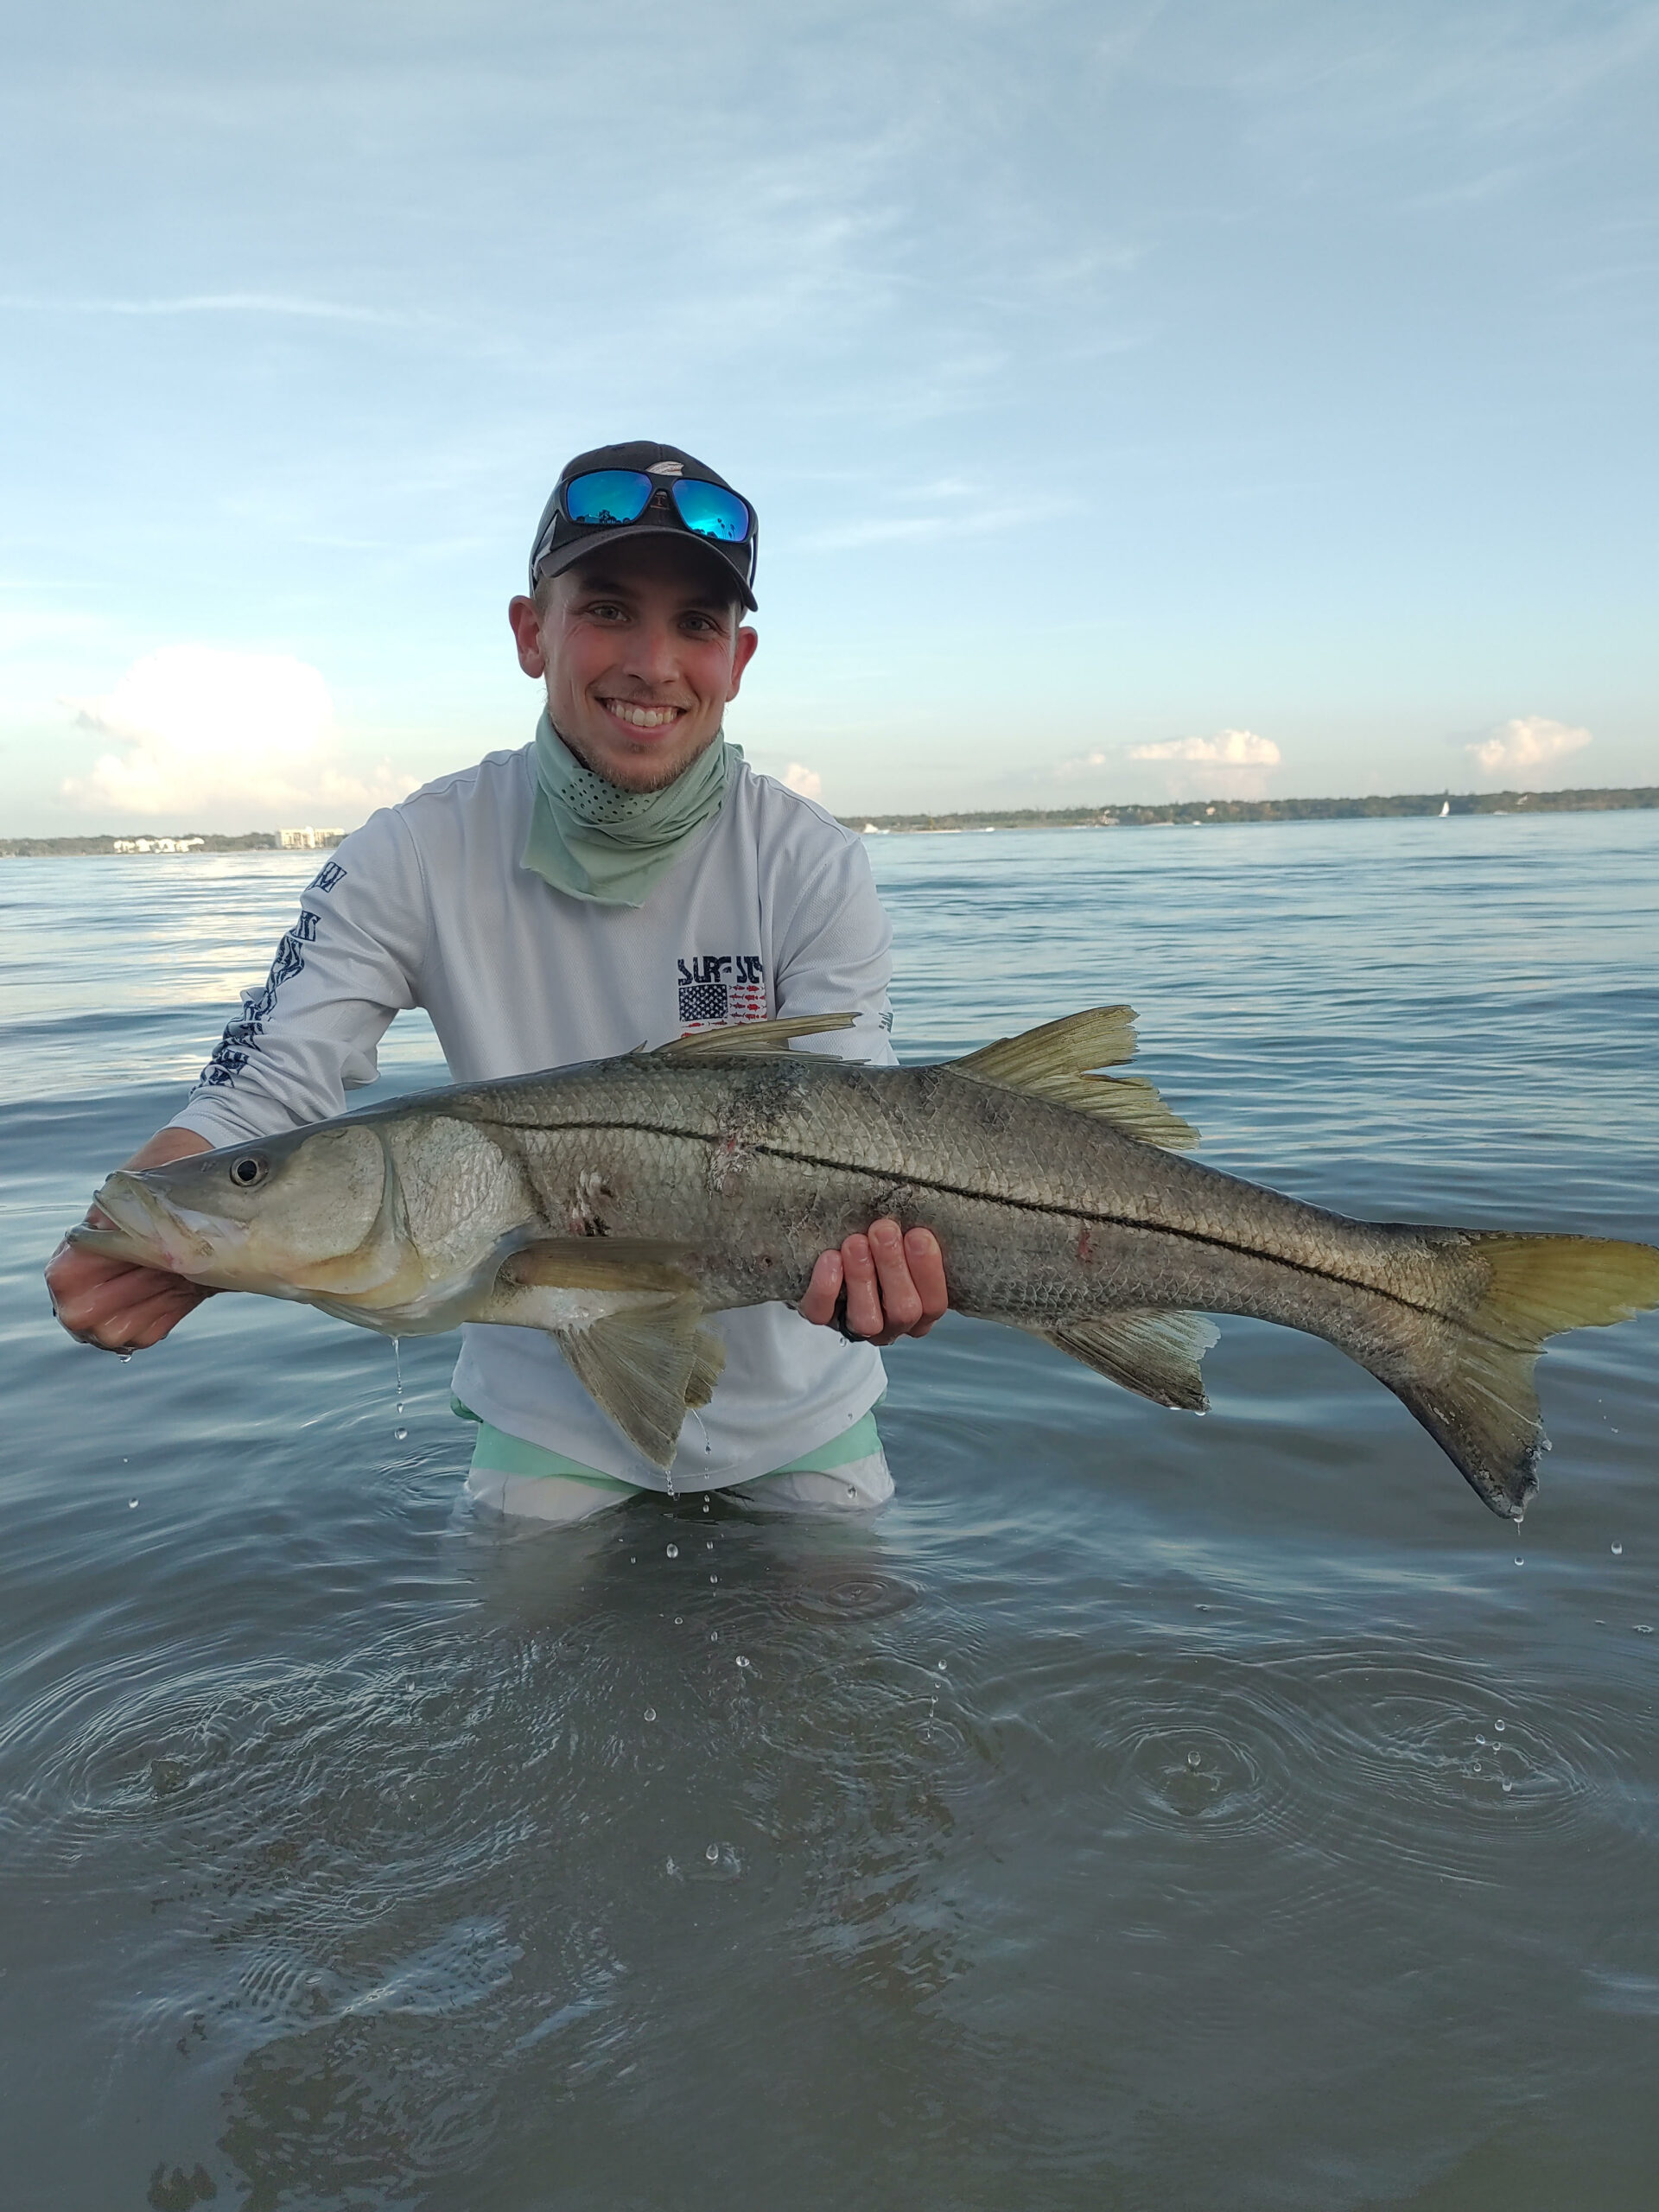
<point>1053,1063</point>
<point>645,1366</point>
<point>748,1037</point>
<point>1156,1354</point>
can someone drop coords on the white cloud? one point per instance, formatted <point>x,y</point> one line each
<point>1228,748</point>
<point>207,732</point>
<point>1085,765</point>
<point>1528,741</point>
<point>807,781</point>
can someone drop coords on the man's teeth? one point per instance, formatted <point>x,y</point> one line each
<point>643,718</point>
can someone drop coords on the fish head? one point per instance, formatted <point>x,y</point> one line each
<point>311,1212</point>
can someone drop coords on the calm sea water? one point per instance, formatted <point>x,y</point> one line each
<point>1146,1812</point>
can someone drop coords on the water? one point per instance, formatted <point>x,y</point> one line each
<point>1145,1812</point>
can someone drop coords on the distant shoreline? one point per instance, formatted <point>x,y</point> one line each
<point>1201,813</point>
<point>157,844</point>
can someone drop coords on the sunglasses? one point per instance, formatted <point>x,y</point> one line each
<point>617,495</point>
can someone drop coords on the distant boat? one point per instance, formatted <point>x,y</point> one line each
<point>1445,807</point>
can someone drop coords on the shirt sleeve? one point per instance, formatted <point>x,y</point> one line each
<point>834,951</point>
<point>309,1032</point>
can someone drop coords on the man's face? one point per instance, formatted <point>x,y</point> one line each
<point>640,648</point>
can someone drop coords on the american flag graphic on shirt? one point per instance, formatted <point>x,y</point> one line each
<point>722,987</point>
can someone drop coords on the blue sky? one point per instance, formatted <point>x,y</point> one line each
<point>1136,398</point>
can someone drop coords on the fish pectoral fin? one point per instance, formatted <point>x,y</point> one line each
<point>748,1037</point>
<point>598,1264</point>
<point>1156,1354</point>
<point>1054,1062</point>
<point>644,1366</point>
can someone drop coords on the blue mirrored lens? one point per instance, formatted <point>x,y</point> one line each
<point>710,511</point>
<point>607,495</point>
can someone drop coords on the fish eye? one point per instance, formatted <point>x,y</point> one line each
<point>248,1171</point>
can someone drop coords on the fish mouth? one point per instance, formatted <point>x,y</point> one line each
<point>141,1226</point>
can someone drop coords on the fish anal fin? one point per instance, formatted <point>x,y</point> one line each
<point>599,1263</point>
<point>644,1366</point>
<point>1054,1062</point>
<point>1155,1354</point>
<point>742,1038</point>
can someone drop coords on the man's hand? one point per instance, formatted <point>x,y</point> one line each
<point>111,1304</point>
<point>895,1284</point>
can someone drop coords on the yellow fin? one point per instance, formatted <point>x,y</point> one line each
<point>748,1037</point>
<point>1156,1354</point>
<point>598,1264</point>
<point>1053,1063</point>
<point>645,1366</point>
<point>1474,1391</point>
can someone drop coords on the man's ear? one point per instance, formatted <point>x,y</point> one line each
<point>526,626</point>
<point>743,654</point>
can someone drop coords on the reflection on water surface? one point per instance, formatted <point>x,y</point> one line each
<point>1144,1812</point>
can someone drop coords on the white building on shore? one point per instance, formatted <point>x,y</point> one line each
<point>308,839</point>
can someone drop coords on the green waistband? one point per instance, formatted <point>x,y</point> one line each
<point>497,1453</point>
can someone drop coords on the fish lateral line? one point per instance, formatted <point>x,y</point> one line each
<point>1033,1206</point>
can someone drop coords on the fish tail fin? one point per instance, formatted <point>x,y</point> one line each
<point>1471,1385</point>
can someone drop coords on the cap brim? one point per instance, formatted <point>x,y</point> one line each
<point>561,558</point>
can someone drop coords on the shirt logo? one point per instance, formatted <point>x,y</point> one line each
<point>722,987</point>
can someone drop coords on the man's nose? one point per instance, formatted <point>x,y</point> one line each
<point>653,653</point>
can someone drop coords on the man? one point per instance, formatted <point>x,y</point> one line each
<point>622,879</point>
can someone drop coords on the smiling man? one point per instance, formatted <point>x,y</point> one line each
<point>624,878</point>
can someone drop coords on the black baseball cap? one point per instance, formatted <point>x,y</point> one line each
<point>559,541</point>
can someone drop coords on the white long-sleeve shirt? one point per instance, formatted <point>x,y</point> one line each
<point>773,909</point>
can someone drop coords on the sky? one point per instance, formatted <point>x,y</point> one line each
<point>1138,400</point>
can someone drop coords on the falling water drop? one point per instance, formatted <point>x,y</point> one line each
<point>125,1354</point>
<point>651,1713</point>
<point>1519,1560</point>
<point>713,1854</point>
<point>1618,1550</point>
<point>673,1551</point>
<point>1193,1759</point>
<point>742,1661</point>
<point>714,1578</point>
<point>1508,1785</point>
<point>131,1501</point>
<point>679,1620</point>
<point>1498,1726</point>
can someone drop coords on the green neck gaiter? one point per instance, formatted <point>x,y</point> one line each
<point>596,842</point>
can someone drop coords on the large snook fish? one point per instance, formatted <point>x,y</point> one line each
<point>617,1204</point>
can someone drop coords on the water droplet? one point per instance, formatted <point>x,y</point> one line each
<point>673,1869</point>
<point>673,1551</point>
<point>131,1501</point>
<point>742,1661</point>
<point>714,1578</point>
<point>709,1546</point>
<point>1508,1785</point>
<point>679,1620</point>
<point>713,1854</point>
<point>400,1434</point>
<point>1641,1629</point>
<point>1618,1550</point>
<point>1498,1726</point>
<point>939,1666</point>
<point>851,1491</point>
<point>651,1713</point>
<point>1480,1740</point>
<point>1475,1768</point>
<point>714,1636</point>
<point>1193,1759</point>
<point>124,1355</point>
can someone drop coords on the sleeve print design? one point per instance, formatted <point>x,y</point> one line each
<point>229,1055</point>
